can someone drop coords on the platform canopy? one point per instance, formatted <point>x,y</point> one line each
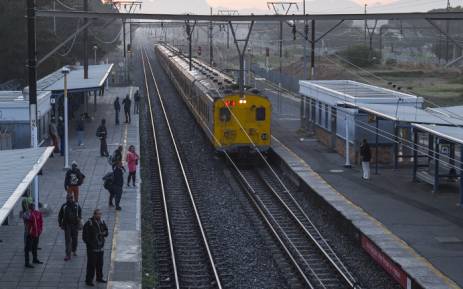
<point>17,170</point>
<point>407,113</point>
<point>97,75</point>
<point>450,133</point>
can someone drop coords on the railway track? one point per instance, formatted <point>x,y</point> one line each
<point>184,256</point>
<point>315,262</point>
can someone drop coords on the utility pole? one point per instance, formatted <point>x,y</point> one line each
<point>228,12</point>
<point>447,29</point>
<point>85,42</point>
<point>365,24</point>
<point>211,50</point>
<point>32,79</point>
<point>189,31</point>
<point>279,7</point>
<point>312,52</point>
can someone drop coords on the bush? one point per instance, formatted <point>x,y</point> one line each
<point>361,55</point>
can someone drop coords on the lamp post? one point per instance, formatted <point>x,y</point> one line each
<point>65,71</point>
<point>95,48</point>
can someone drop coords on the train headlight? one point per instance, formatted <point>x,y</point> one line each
<point>263,136</point>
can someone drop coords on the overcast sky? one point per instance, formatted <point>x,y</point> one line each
<point>313,6</point>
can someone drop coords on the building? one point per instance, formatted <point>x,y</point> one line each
<point>331,109</point>
<point>14,119</point>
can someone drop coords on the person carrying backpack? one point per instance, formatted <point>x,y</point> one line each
<point>73,180</point>
<point>69,220</point>
<point>108,181</point>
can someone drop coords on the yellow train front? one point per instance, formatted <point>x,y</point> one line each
<point>232,123</point>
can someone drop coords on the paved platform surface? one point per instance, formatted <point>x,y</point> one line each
<point>122,248</point>
<point>429,223</point>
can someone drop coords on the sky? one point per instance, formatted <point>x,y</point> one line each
<point>313,6</point>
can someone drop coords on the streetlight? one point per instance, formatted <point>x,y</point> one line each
<point>65,71</point>
<point>95,48</point>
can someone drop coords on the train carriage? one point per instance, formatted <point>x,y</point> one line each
<point>232,123</point>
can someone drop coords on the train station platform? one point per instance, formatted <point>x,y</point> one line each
<point>419,231</point>
<point>122,257</point>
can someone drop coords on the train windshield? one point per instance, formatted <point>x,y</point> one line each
<point>260,113</point>
<point>225,114</point>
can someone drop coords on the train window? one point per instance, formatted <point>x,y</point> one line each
<point>225,114</point>
<point>260,113</point>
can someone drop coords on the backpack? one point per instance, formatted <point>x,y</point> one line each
<point>71,215</point>
<point>108,180</point>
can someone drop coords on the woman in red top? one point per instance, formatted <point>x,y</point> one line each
<point>132,162</point>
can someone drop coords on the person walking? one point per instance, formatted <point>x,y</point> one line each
<point>33,224</point>
<point>132,162</point>
<point>102,133</point>
<point>127,104</point>
<point>94,233</point>
<point>73,180</point>
<point>118,184</point>
<point>80,130</point>
<point>136,106</point>
<point>117,109</point>
<point>69,220</point>
<point>61,135</point>
<point>365,153</point>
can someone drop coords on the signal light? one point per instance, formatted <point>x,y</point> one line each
<point>229,103</point>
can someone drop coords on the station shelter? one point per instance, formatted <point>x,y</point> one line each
<point>330,109</point>
<point>80,90</point>
<point>15,130</point>
<point>17,170</point>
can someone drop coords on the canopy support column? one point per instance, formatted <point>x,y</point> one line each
<point>436,165</point>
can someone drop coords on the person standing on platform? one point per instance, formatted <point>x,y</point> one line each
<point>118,184</point>
<point>61,135</point>
<point>80,130</point>
<point>365,153</point>
<point>102,133</point>
<point>136,98</point>
<point>94,233</point>
<point>127,104</point>
<point>69,220</point>
<point>33,223</point>
<point>132,162</point>
<point>52,132</point>
<point>116,157</point>
<point>117,109</point>
<point>73,180</point>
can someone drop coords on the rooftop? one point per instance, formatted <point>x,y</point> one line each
<point>97,75</point>
<point>18,96</point>
<point>352,91</point>
<point>18,169</point>
<point>450,133</point>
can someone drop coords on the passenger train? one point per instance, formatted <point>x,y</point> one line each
<point>232,123</point>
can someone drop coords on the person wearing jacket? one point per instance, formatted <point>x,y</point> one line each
<point>69,218</point>
<point>118,183</point>
<point>94,233</point>
<point>132,162</point>
<point>33,225</point>
<point>102,133</point>
<point>117,109</point>
<point>116,156</point>
<point>73,180</point>
<point>127,104</point>
<point>365,153</point>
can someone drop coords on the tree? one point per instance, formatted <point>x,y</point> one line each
<point>361,55</point>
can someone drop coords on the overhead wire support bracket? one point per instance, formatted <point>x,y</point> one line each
<point>241,53</point>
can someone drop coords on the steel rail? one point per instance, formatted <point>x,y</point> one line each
<point>342,271</point>
<point>252,194</point>
<point>187,184</point>
<point>252,17</point>
<point>161,177</point>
